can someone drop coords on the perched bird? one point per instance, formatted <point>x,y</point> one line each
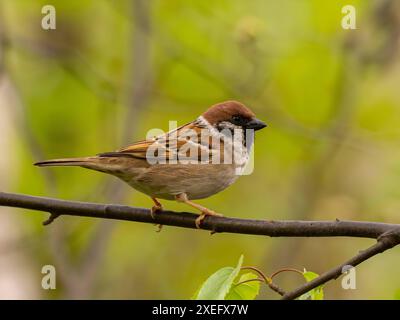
<point>194,161</point>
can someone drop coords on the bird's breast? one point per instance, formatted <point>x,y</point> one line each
<point>198,181</point>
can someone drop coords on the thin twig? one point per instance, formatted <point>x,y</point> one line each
<point>386,241</point>
<point>50,219</point>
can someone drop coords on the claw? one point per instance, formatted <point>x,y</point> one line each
<point>154,210</point>
<point>199,219</point>
<point>182,197</point>
<point>157,207</point>
<point>204,214</point>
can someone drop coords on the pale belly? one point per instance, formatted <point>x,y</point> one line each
<point>196,180</point>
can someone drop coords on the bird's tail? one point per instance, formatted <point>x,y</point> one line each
<point>66,162</point>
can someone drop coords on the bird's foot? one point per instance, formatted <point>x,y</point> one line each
<point>182,197</point>
<point>154,210</point>
<point>205,213</point>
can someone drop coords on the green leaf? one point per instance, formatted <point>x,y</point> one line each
<point>314,294</point>
<point>309,275</point>
<point>244,291</point>
<point>217,286</point>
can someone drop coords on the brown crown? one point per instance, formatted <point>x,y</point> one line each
<point>225,110</point>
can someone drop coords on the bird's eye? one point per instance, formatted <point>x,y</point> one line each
<point>237,119</point>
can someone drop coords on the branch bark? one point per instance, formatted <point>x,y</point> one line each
<point>386,234</point>
<point>386,241</point>
<point>287,228</point>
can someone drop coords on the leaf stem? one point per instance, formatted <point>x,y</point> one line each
<point>285,270</point>
<point>249,280</point>
<point>267,280</point>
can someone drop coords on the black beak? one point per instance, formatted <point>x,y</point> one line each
<point>255,124</point>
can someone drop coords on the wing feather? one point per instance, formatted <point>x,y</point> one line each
<point>183,142</point>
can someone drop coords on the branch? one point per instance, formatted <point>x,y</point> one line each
<point>386,241</point>
<point>289,228</point>
<point>388,235</point>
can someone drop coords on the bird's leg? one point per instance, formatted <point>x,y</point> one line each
<point>157,207</point>
<point>204,211</point>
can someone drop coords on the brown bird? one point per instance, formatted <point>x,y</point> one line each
<point>194,161</point>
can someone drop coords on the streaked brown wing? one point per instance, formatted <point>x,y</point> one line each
<point>185,140</point>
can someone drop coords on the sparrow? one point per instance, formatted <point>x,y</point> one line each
<point>193,161</point>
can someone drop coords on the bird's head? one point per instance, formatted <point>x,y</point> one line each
<point>232,115</point>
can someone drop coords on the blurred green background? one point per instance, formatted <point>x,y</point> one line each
<point>114,69</point>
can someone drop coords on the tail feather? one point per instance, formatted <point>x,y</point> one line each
<point>64,162</point>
